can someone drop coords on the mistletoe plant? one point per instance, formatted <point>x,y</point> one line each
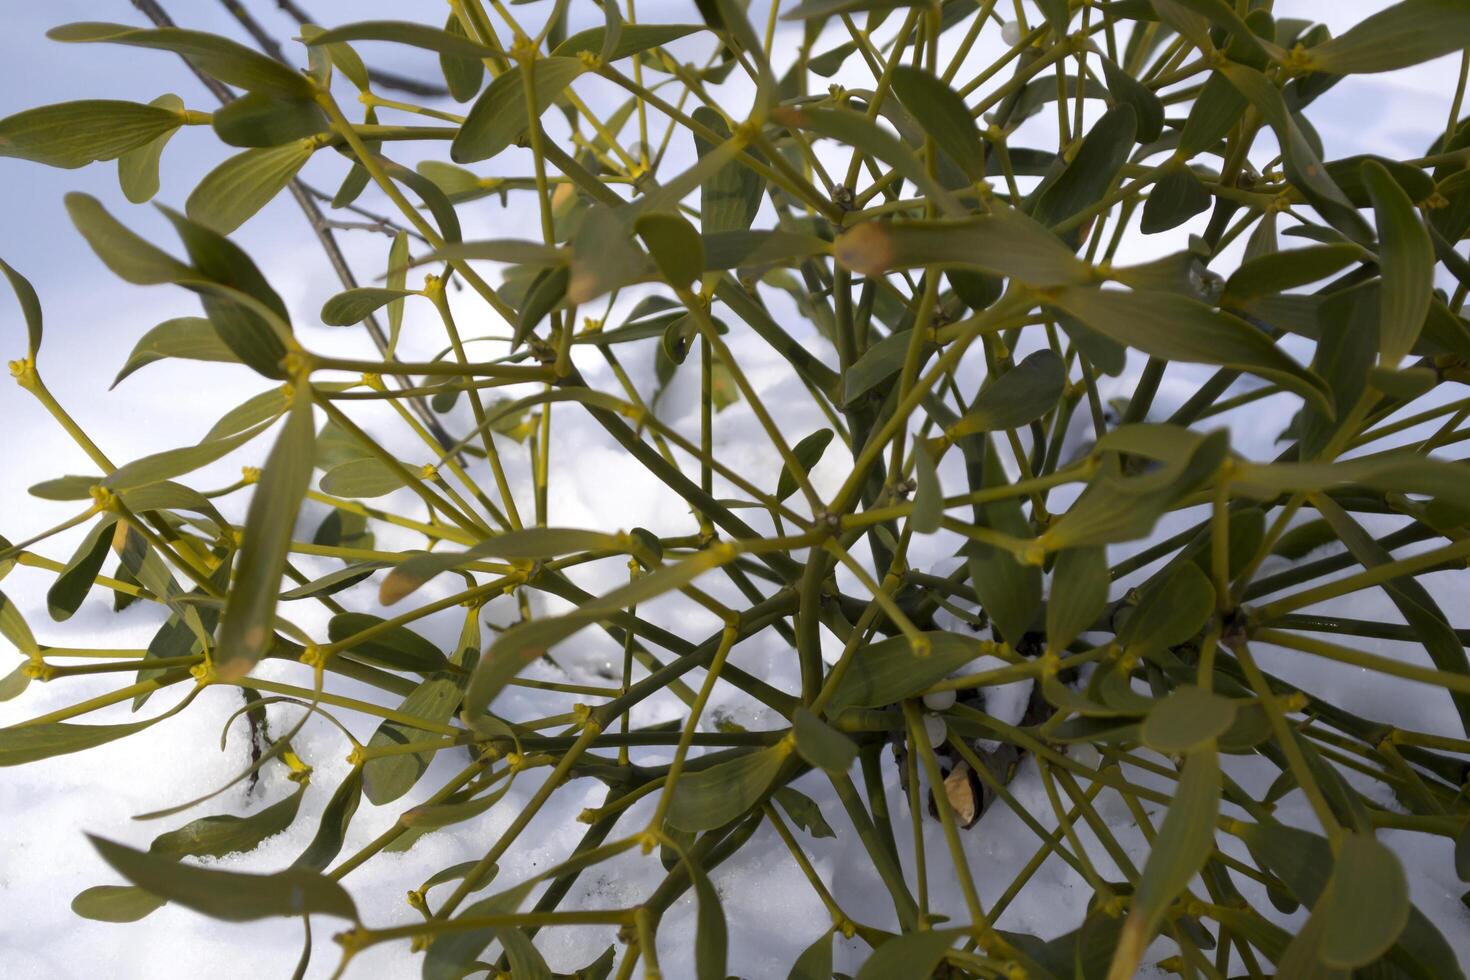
<point>933,252</point>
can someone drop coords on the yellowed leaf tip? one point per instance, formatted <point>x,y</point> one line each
<point>866,249</point>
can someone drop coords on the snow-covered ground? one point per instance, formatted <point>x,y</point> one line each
<point>92,320</point>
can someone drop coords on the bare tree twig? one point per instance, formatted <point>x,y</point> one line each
<point>372,216</point>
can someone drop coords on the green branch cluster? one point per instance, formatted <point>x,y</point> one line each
<point>963,292</point>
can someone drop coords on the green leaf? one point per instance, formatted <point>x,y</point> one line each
<point>1304,863</point>
<point>396,647</point>
<point>709,798</point>
<point>65,488</point>
<point>747,248</point>
<point>675,246</point>
<point>808,453</point>
<point>1303,539</point>
<point>226,833</point>
<point>603,256</point>
<point>711,937</point>
<point>821,745</point>
<point>247,624</point>
<point>326,844</point>
<point>928,510</point>
<point>632,39</point>
<point>1127,90</point>
<point>269,404</point>
<point>879,362</point>
<point>426,817</point>
<point>812,9</point>
<point>1017,398</point>
<point>730,197</point>
<point>191,338</point>
<point>31,743</point>
<point>129,256</point>
<point>1406,258</point>
<point>1185,720</point>
<point>218,57</point>
<point>888,671</point>
<point>75,581</point>
<point>230,895</point>
<point>1176,198</point>
<point>943,115</point>
<point>1170,613</point>
<point>137,169</point>
<point>1215,112</point>
<point>116,903</point>
<point>1009,591</point>
<point>257,119</point>
<point>342,57</point>
<point>1397,471</point>
<point>830,62</point>
<point>74,134</point>
<point>803,811</point>
<point>14,684</point>
<point>1180,849</point>
<point>464,75</point>
<point>1344,359</point>
<point>513,250</point>
<point>361,478</point>
<point>356,305</point>
<point>861,133</point>
<point>397,277</point>
<point>246,312</point>
<point>30,307</point>
<point>1407,33</point>
<point>547,291</point>
<point>232,192</point>
<point>452,954</point>
<point>1093,169</point>
<point>332,534</point>
<point>457,183</point>
<point>13,627</point>
<point>1245,531</point>
<point>815,962</point>
<point>1280,271</point>
<point>1118,508</point>
<point>386,778</point>
<point>176,462</point>
<point>498,117</point>
<point>1175,328</point>
<point>406,32</point>
<point>1004,242</point>
<point>1079,594</point>
<point>1366,904</point>
<point>909,954</point>
<point>1347,173</point>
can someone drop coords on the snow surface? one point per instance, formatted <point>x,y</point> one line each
<point>92,321</point>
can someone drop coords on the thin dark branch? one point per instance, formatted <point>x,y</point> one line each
<point>384,79</point>
<point>371,216</point>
